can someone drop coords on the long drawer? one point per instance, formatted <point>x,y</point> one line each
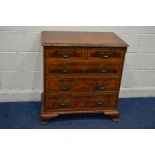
<point>68,85</point>
<point>91,101</point>
<point>65,68</point>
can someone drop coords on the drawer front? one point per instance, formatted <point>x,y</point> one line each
<point>105,54</point>
<point>81,85</point>
<point>64,102</point>
<point>77,68</point>
<point>64,53</point>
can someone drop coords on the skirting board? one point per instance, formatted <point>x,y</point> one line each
<point>35,95</point>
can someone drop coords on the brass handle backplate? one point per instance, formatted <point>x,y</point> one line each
<point>103,70</point>
<point>100,86</point>
<point>65,55</point>
<point>65,69</point>
<point>64,86</point>
<point>99,102</point>
<point>63,103</point>
<point>104,55</point>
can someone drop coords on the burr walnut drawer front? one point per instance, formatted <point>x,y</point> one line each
<point>81,85</point>
<point>78,67</point>
<point>64,53</point>
<point>64,102</point>
<point>105,54</point>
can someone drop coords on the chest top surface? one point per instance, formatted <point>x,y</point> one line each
<point>84,39</point>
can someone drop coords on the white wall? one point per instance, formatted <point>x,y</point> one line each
<point>21,61</point>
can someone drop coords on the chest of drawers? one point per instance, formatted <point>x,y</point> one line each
<point>82,73</point>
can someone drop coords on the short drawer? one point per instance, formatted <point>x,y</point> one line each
<point>64,53</point>
<point>81,85</point>
<point>106,54</point>
<point>79,68</point>
<point>95,101</point>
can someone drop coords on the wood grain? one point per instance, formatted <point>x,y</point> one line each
<point>75,101</point>
<point>87,39</point>
<point>73,85</point>
<point>82,73</point>
<point>73,68</point>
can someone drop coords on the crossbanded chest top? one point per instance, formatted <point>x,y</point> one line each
<point>82,73</point>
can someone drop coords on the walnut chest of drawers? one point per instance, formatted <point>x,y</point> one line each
<point>82,73</point>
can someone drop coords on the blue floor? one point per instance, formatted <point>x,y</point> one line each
<point>136,113</point>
